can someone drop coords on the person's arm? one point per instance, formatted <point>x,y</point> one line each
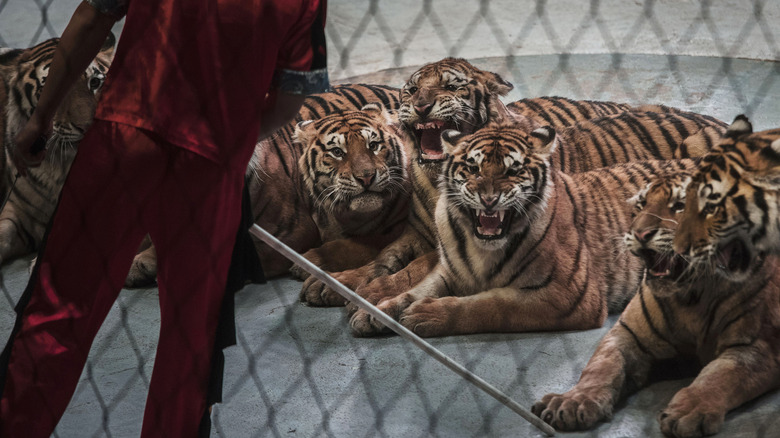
<point>80,42</point>
<point>283,109</point>
<point>301,69</point>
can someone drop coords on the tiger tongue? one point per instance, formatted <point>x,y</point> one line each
<point>430,141</point>
<point>490,224</point>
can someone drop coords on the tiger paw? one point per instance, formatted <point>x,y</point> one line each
<point>365,325</point>
<point>379,289</point>
<point>299,273</point>
<point>318,294</point>
<point>692,413</point>
<point>429,317</point>
<point>143,271</point>
<point>573,410</point>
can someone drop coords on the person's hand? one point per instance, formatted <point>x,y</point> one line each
<point>29,146</point>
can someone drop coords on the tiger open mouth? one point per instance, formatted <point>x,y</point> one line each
<point>429,138</point>
<point>662,265</point>
<point>735,256</point>
<point>490,225</point>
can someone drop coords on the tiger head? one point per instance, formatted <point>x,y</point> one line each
<point>657,211</point>
<point>448,94</point>
<point>352,161</point>
<point>496,179</point>
<point>731,210</point>
<point>75,113</point>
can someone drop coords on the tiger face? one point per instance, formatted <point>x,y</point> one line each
<point>77,110</point>
<point>496,179</point>
<point>353,161</point>
<point>732,203</point>
<point>657,211</point>
<point>448,94</point>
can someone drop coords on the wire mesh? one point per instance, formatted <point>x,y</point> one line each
<point>296,370</point>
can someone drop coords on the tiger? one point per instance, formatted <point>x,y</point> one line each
<point>639,134</point>
<point>731,214</point>
<point>279,199</point>
<point>31,200</point>
<point>450,93</point>
<point>730,326</point>
<point>522,245</point>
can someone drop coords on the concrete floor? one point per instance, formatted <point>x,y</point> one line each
<point>297,372</point>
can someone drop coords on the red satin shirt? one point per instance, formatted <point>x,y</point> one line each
<point>199,76</point>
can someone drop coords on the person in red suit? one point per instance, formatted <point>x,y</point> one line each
<point>193,85</point>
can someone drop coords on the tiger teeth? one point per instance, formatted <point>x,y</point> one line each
<point>430,125</point>
<point>501,214</point>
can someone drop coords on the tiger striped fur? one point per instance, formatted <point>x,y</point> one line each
<point>32,199</point>
<point>590,144</point>
<point>731,215</point>
<point>522,246</point>
<point>445,94</point>
<point>731,327</point>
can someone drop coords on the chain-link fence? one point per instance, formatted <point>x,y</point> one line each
<point>296,370</point>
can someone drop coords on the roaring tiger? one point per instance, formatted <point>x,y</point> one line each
<point>32,199</point>
<point>279,199</point>
<point>640,134</point>
<point>446,94</point>
<point>732,209</point>
<point>522,246</point>
<point>732,327</point>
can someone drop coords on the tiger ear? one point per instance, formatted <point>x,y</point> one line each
<point>543,141</point>
<point>740,126</point>
<point>775,146</point>
<point>377,111</point>
<point>304,131</point>
<point>449,140</point>
<point>373,107</point>
<point>497,85</point>
<point>634,200</point>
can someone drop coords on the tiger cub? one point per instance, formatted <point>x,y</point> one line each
<point>730,326</point>
<point>731,215</point>
<point>447,94</point>
<point>522,246</point>
<point>643,134</point>
<point>31,200</point>
<point>274,181</point>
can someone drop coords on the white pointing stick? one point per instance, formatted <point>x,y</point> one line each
<point>345,292</point>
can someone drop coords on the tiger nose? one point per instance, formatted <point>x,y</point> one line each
<point>423,110</point>
<point>365,180</point>
<point>645,235</point>
<point>489,201</point>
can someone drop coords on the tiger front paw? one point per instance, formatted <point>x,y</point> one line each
<point>573,410</point>
<point>299,273</point>
<point>692,413</point>
<point>318,294</point>
<point>365,325</point>
<point>143,272</point>
<point>379,289</point>
<point>428,317</point>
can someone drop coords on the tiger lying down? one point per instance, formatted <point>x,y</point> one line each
<point>453,90</point>
<point>717,304</point>
<point>32,199</point>
<point>284,173</point>
<point>589,145</point>
<point>522,246</point>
